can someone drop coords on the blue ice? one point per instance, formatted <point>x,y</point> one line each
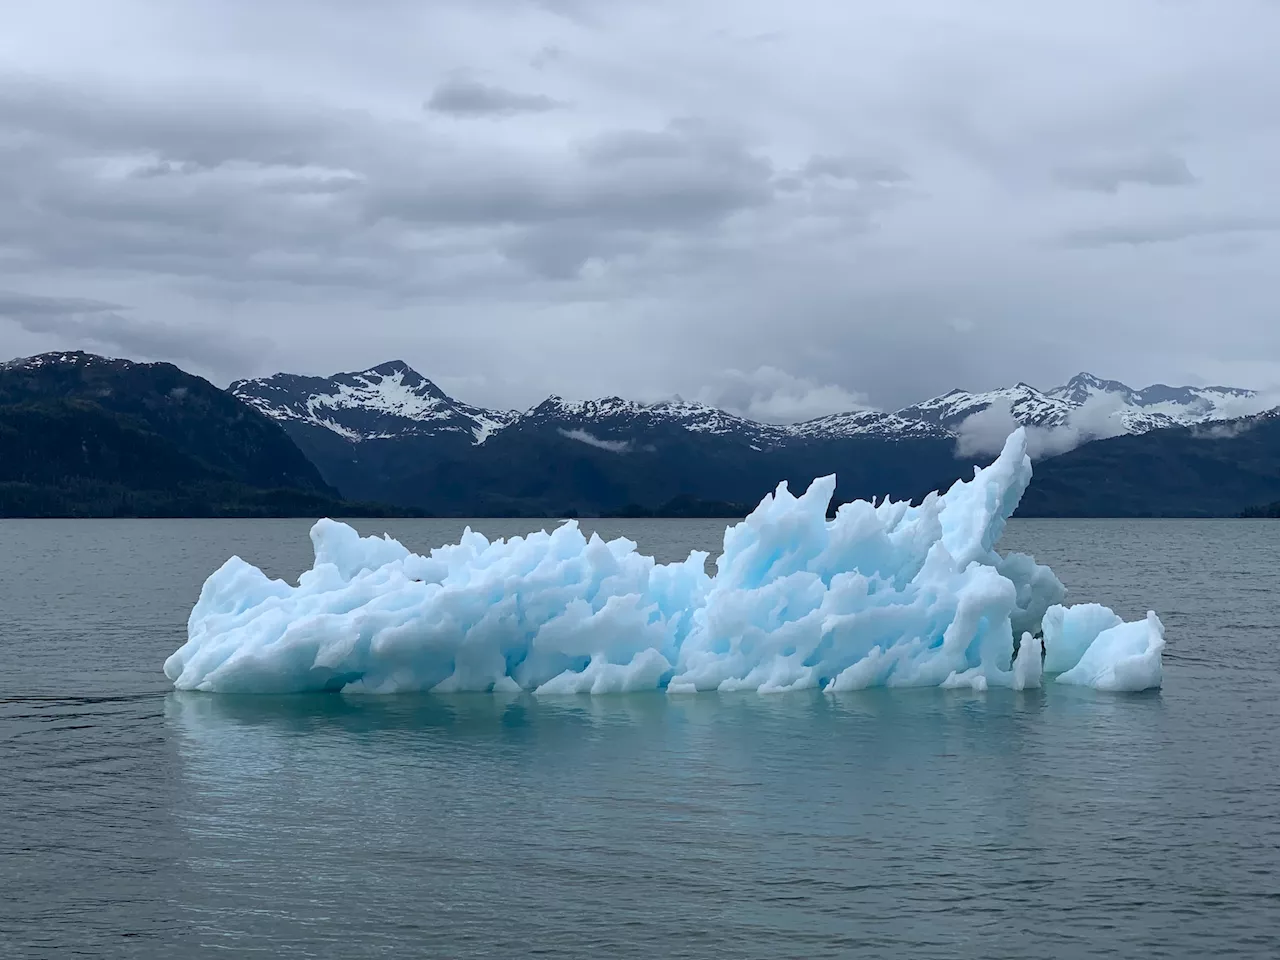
<point>884,594</point>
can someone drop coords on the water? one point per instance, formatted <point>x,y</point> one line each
<point>138,822</point>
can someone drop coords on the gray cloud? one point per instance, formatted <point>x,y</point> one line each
<point>635,179</point>
<point>562,251</point>
<point>1170,230</point>
<point>855,167</point>
<point>25,306</point>
<point>623,192</point>
<point>197,130</point>
<point>864,209</point>
<point>462,97</point>
<point>546,56</point>
<point>1107,175</point>
<point>102,326</point>
<point>142,196</point>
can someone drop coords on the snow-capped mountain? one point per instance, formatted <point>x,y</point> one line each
<point>1134,411</point>
<point>1158,405</point>
<point>389,400</point>
<point>59,358</point>
<point>393,400</point>
<point>616,419</point>
<point>866,423</point>
<point>1029,406</point>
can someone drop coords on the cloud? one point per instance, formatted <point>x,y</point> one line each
<point>1108,175</point>
<point>102,326</point>
<point>1227,430</point>
<point>1247,406</point>
<point>16,305</point>
<point>546,56</point>
<point>461,97</point>
<point>770,395</point>
<point>691,207</point>
<point>591,440</point>
<point>562,251</point>
<point>1170,230</point>
<point>985,432</point>
<point>294,201</point>
<point>855,167</point>
<point>683,176</point>
<point>198,131</point>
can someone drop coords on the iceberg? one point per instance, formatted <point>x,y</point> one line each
<point>885,594</point>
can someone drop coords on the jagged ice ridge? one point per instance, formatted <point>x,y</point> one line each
<point>885,594</point>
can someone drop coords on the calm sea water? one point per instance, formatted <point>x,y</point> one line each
<point>138,822</point>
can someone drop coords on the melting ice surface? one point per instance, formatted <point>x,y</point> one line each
<point>883,595</point>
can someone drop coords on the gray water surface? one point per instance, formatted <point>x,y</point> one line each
<point>138,822</point>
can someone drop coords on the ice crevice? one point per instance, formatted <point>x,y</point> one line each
<point>885,594</point>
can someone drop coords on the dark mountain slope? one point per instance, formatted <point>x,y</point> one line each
<point>195,417</point>
<point>1216,470</point>
<point>536,471</point>
<point>85,436</point>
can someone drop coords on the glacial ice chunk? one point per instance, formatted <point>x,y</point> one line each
<point>1069,631</point>
<point>886,594</point>
<point>1122,657</point>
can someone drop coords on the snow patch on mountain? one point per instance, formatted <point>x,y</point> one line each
<point>1027,404</point>
<point>630,418</point>
<point>56,358</point>
<point>870,423</point>
<point>387,401</point>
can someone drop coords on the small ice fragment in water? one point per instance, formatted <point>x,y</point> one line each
<point>1126,656</point>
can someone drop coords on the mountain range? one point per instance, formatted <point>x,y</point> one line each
<point>390,434</point>
<point>82,435</point>
<point>393,400</point>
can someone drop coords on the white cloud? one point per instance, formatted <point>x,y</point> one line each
<point>1234,407</point>
<point>770,395</point>
<point>1226,430</point>
<point>986,431</point>
<point>591,440</point>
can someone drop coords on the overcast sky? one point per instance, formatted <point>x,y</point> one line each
<point>788,208</point>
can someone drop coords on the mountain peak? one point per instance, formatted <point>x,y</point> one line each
<point>393,368</point>
<point>1085,379</point>
<point>55,358</point>
<point>397,371</point>
<point>389,400</point>
<point>1091,381</point>
<point>1084,386</point>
